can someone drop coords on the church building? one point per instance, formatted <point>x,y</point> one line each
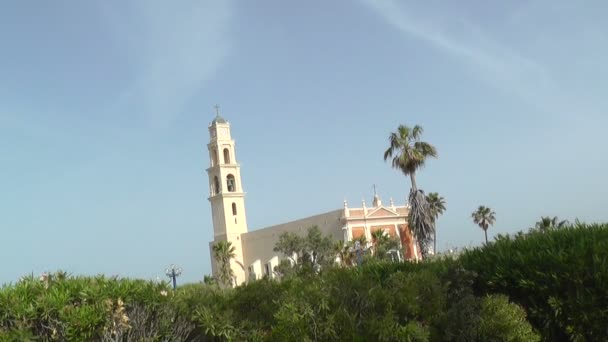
<point>255,257</point>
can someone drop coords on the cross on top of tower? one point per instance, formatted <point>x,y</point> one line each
<point>218,117</point>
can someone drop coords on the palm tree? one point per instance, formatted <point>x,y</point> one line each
<point>223,253</point>
<point>362,240</point>
<point>548,223</point>
<point>383,244</point>
<point>379,237</point>
<point>408,154</point>
<point>484,217</point>
<point>437,207</point>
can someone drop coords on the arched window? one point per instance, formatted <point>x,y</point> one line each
<point>214,157</point>
<point>226,156</point>
<point>233,208</point>
<point>231,183</point>
<point>216,185</point>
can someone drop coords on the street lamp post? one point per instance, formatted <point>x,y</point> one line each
<point>173,272</point>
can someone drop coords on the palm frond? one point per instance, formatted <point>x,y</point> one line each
<point>406,152</point>
<point>484,217</point>
<point>425,149</point>
<point>547,223</point>
<point>417,132</point>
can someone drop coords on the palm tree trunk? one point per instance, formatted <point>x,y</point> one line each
<point>413,179</point>
<point>486,232</point>
<point>412,192</point>
<point>435,241</point>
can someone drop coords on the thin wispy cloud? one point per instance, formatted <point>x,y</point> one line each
<point>495,63</point>
<point>174,48</point>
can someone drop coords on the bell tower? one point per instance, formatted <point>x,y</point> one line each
<point>226,193</point>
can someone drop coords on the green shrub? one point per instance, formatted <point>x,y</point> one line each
<point>57,307</point>
<point>17,334</point>
<point>501,320</point>
<point>258,302</point>
<point>557,280</point>
<point>560,277</point>
<point>489,319</point>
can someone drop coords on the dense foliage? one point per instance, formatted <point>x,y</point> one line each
<point>559,275</point>
<point>378,301</point>
<point>57,307</point>
<point>550,285</point>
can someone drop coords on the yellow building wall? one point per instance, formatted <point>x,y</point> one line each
<point>258,245</point>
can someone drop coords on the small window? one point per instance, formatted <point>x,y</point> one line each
<point>233,208</point>
<point>231,184</point>
<point>267,269</point>
<point>226,156</point>
<point>216,185</point>
<point>214,157</point>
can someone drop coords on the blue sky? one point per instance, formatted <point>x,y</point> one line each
<point>104,108</point>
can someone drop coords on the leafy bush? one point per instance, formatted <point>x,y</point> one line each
<point>492,318</point>
<point>57,307</point>
<point>560,277</point>
<point>557,279</point>
<point>501,320</point>
<point>379,301</point>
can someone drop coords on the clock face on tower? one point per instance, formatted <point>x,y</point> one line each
<point>223,132</point>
